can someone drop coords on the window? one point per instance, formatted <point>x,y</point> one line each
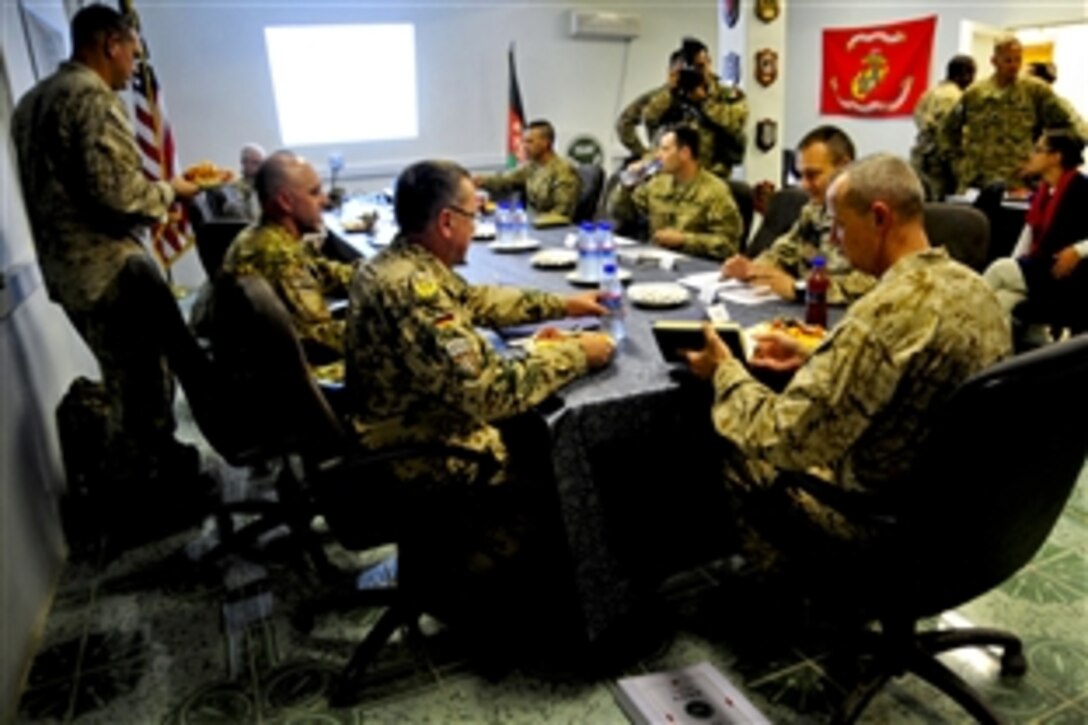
<point>344,83</point>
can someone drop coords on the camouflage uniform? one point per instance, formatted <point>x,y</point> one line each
<point>703,209</point>
<point>810,236</point>
<point>932,166</point>
<point>628,122</point>
<point>302,279</point>
<point>989,133</point>
<point>550,188</point>
<point>719,119</point>
<point>88,203</point>
<point>857,412</point>
<point>418,371</point>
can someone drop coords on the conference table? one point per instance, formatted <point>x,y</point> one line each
<point>639,487</point>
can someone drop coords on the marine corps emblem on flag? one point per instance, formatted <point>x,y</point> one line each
<point>878,70</point>
<point>766,66</point>
<point>767,10</point>
<point>730,12</point>
<point>766,134</point>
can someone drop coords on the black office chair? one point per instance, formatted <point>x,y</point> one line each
<point>277,412</point>
<point>216,217</point>
<point>745,199</point>
<point>782,211</point>
<point>962,230</point>
<point>991,481</point>
<point>589,199</point>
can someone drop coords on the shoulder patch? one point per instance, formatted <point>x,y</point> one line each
<point>465,356</point>
<point>424,287</point>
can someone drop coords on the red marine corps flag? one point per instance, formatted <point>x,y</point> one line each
<point>877,71</point>
<point>515,118</point>
<point>171,238</point>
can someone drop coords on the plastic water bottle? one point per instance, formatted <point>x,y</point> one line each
<point>816,294</point>
<point>588,262</point>
<point>502,223</point>
<point>634,177</point>
<point>519,224</point>
<point>612,299</point>
<point>606,245</point>
<point>380,576</point>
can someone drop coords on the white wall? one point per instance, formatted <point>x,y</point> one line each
<point>808,18</point>
<point>211,62</point>
<point>39,355</point>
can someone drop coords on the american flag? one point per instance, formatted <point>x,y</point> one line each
<point>155,138</point>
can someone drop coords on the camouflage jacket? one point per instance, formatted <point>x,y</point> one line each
<point>990,131</point>
<point>810,236</point>
<point>550,188</point>
<point>703,209</point>
<point>82,179</point>
<point>418,370</point>
<point>629,121</point>
<point>926,156</point>
<point>719,119</point>
<point>859,409</point>
<point>301,278</point>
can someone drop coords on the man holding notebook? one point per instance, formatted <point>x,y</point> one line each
<point>859,405</point>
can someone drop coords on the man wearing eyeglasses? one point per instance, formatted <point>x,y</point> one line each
<point>292,200</point>
<point>417,369</point>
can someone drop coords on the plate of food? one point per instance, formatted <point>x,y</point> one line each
<point>206,174</point>
<point>516,245</point>
<point>810,336</point>
<point>658,294</point>
<point>362,224</point>
<point>554,259</point>
<point>577,279</point>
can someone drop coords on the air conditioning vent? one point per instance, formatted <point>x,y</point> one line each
<point>599,24</point>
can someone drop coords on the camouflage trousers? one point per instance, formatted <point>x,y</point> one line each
<point>782,528</point>
<point>133,330</point>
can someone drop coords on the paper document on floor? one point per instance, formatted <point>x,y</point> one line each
<point>695,694</point>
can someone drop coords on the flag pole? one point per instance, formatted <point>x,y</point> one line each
<point>157,230</point>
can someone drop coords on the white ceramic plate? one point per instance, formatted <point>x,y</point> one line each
<point>575,278</point>
<point>658,294</point>
<point>554,259</point>
<point>519,246</point>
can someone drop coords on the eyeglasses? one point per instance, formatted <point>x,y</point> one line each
<point>1042,150</point>
<point>463,212</point>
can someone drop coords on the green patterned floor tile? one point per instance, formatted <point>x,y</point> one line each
<point>1071,570</point>
<point>1034,587</point>
<point>1069,714</point>
<point>1061,664</point>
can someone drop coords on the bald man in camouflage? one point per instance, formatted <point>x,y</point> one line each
<point>990,131</point>
<point>292,201</point>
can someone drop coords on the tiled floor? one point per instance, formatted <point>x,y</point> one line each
<point>144,638</point>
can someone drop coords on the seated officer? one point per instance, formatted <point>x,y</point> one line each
<point>417,368</point>
<point>549,182</point>
<point>823,152</point>
<point>689,209</point>
<point>292,200</point>
<point>860,404</point>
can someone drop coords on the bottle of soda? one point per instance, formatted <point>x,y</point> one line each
<point>816,294</point>
<point>612,299</point>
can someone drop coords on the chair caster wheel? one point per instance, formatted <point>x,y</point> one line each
<point>1013,664</point>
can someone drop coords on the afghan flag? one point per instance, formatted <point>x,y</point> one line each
<point>515,118</point>
<point>877,71</point>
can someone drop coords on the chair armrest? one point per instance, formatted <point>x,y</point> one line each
<point>486,464</point>
<point>864,507</point>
